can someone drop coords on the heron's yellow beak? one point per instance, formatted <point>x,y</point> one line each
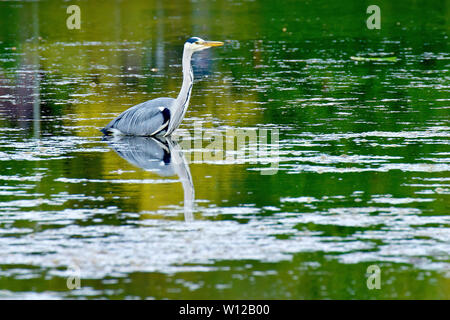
<point>212,43</point>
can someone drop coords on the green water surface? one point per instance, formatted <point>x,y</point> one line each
<point>362,157</point>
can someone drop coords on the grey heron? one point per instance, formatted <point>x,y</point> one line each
<point>160,155</point>
<point>161,116</point>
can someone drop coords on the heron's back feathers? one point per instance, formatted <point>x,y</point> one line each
<point>145,119</point>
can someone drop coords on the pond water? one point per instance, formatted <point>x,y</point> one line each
<point>354,170</point>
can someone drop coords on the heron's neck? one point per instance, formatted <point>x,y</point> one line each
<point>182,100</point>
<point>188,78</point>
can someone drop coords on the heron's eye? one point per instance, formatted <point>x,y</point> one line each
<point>196,42</point>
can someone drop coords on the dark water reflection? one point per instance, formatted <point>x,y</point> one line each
<point>362,173</point>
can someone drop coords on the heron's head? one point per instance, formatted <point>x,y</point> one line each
<point>197,44</point>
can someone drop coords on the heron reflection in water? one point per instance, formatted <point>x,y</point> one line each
<point>160,155</point>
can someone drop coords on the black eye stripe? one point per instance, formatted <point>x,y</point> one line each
<point>192,40</point>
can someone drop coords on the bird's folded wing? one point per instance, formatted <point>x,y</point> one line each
<point>144,119</point>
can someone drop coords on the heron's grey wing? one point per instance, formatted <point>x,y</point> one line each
<point>145,119</point>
